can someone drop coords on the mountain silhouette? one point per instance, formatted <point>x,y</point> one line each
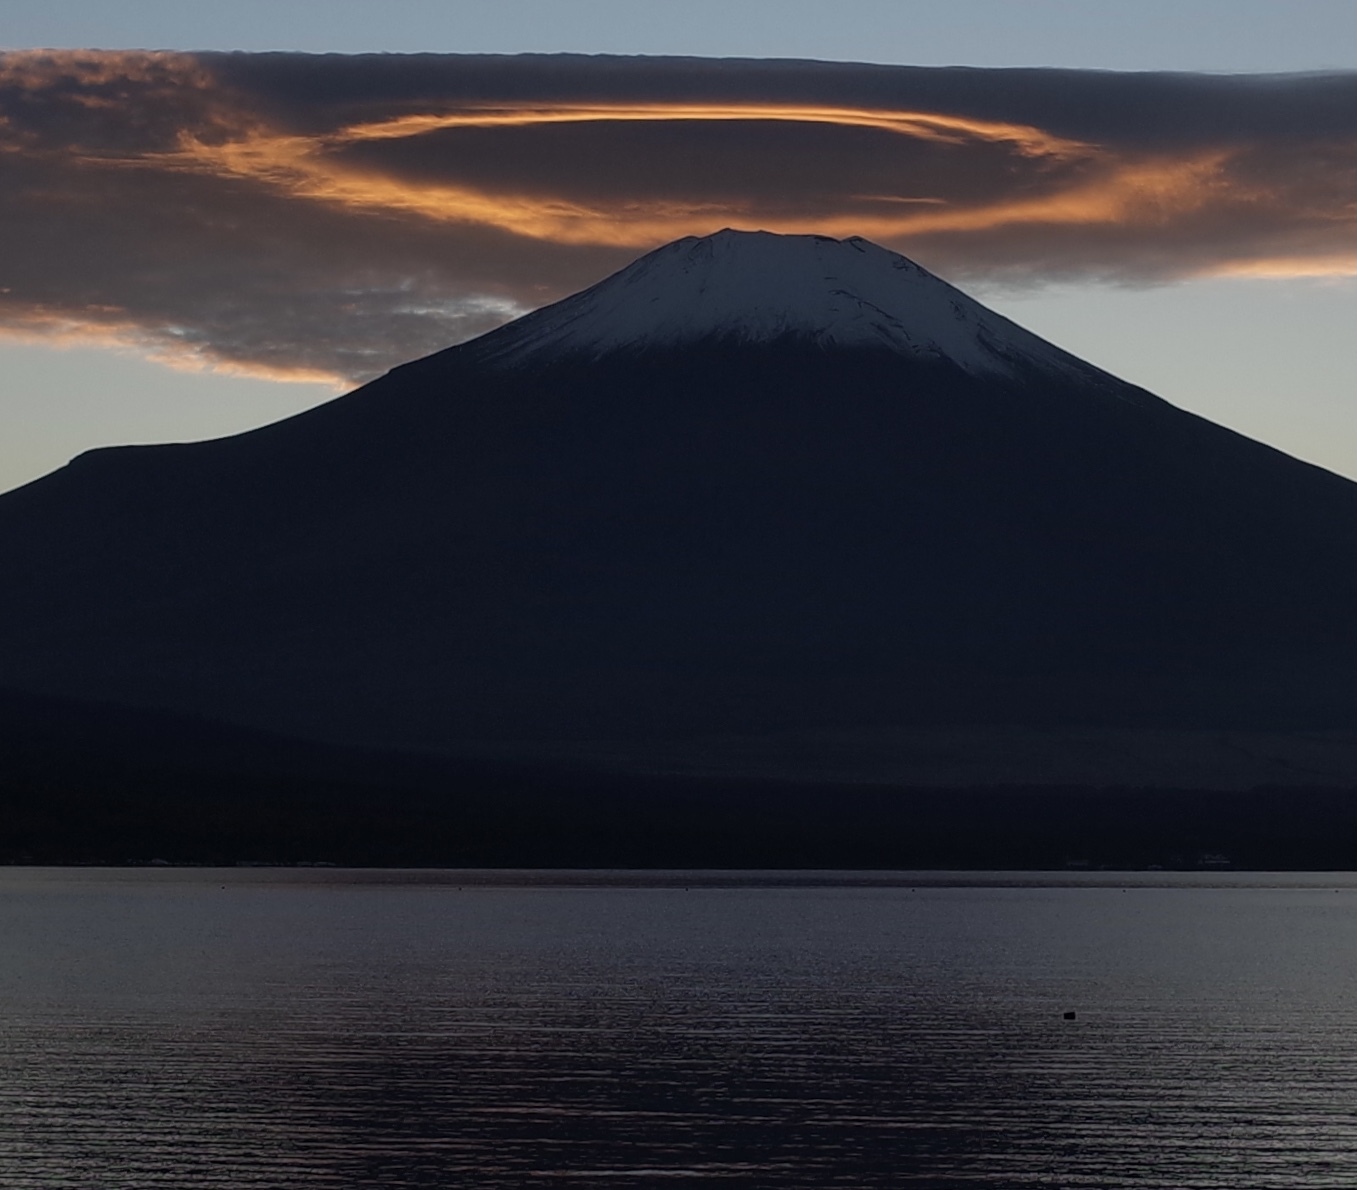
<point>753,498</point>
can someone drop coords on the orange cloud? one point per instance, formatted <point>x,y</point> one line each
<point>1282,267</point>
<point>1113,191</point>
<point>306,167</point>
<point>116,330</point>
<point>924,125</point>
<point>315,217</point>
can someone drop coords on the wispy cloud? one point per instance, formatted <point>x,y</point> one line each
<point>310,216</point>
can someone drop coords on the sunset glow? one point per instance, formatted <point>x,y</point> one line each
<point>1148,192</point>
<point>924,125</point>
<point>155,344</point>
<point>322,219</point>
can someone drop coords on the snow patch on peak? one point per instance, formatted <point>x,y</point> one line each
<point>755,286</point>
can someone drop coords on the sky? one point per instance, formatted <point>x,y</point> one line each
<point>193,242</point>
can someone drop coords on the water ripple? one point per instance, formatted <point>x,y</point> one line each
<point>230,1032</point>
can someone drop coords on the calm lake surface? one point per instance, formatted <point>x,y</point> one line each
<point>328,1028</point>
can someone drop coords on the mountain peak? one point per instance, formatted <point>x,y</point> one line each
<point>757,286</point>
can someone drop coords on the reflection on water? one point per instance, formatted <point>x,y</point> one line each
<point>335,1029</point>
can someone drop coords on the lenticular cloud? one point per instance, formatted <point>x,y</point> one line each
<point>331,216</point>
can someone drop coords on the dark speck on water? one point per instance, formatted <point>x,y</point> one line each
<point>338,1029</point>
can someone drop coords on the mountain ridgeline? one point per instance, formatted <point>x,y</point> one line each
<point>781,508</point>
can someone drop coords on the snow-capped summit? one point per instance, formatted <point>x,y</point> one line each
<point>755,287</point>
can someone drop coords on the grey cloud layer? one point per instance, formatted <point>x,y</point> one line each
<point>337,215</point>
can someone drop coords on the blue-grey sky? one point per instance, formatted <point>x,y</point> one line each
<point>1216,35</point>
<point>1195,318</point>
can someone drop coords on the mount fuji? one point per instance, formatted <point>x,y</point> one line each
<point>784,507</point>
<point>756,287</point>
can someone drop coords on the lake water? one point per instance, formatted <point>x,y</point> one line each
<point>327,1028</point>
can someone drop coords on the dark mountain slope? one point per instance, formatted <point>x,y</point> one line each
<point>94,783</point>
<point>535,537</point>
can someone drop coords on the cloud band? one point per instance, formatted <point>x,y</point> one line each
<point>311,216</point>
